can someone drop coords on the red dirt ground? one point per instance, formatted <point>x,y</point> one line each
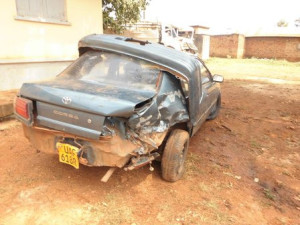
<point>242,168</point>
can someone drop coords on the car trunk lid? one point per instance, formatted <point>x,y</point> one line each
<point>87,96</point>
<point>80,107</point>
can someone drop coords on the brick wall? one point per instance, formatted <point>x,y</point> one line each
<point>227,46</point>
<point>273,47</point>
<point>237,46</point>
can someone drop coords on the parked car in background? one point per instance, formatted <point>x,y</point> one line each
<point>123,103</point>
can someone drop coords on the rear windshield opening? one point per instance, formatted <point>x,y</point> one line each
<point>114,69</point>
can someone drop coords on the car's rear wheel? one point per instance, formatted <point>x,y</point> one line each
<point>215,109</point>
<point>174,155</point>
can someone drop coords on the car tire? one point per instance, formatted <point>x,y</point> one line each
<point>174,155</point>
<point>215,109</point>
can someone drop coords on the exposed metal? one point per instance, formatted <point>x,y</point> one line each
<point>137,162</point>
<point>165,110</point>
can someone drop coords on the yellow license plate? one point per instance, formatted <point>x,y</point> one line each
<point>68,154</point>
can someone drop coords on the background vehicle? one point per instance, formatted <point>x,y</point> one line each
<point>179,38</point>
<point>123,103</point>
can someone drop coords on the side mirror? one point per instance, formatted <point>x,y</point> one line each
<point>218,78</point>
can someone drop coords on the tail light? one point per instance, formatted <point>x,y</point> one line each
<point>23,110</point>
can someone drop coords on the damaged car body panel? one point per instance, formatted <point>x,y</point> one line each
<point>117,104</point>
<point>167,109</point>
<point>186,68</point>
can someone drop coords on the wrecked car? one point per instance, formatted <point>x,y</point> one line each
<point>180,38</point>
<point>122,104</point>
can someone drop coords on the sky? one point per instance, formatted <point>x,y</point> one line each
<point>237,15</point>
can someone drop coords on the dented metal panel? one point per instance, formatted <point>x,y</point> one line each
<point>166,109</point>
<point>177,63</point>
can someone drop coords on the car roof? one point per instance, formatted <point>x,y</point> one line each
<point>180,63</point>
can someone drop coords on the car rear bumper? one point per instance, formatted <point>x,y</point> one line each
<point>112,151</point>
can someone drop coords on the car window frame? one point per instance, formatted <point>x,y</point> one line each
<point>124,59</point>
<point>210,78</point>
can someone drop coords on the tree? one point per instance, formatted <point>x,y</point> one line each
<point>282,23</point>
<point>117,13</point>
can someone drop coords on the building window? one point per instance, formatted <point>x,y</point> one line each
<point>48,11</point>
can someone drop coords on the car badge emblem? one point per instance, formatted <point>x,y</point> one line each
<point>66,100</point>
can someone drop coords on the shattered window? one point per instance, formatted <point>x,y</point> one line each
<point>114,69</point>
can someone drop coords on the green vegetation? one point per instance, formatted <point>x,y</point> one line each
<point>193,165</point>
<point>262,69</point>
<point>255,144</point>
<point>269,194</point>
<point>117,13</point>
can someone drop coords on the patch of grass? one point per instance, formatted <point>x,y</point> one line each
<point>255,144</point>
<point>283,220</point>
<point>215,186</point>
<point>193,157</point>
<point>229,185</point>
<point>287,173</point>
<point>245,68</point>
<point>203,218</point>
<point>271,62</point>
<point>2,190</point>
<point>192,165</point>
<point>285,114</point>
<point>268,194</point>
<point>109,197</point>
<point>112,210</point>
<point>220,185</point>
<point>210,204</point>
<point>215,214</point>
<point>203,187</point>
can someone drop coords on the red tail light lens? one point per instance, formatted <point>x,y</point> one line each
<point>22,107</point>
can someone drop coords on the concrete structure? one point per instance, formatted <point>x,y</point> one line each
<point>39,38</point>
<point>274,47</point>
<point>198,29</point>
<point>6,103</point>
<point>202,42</point>
<point>231,46</point>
